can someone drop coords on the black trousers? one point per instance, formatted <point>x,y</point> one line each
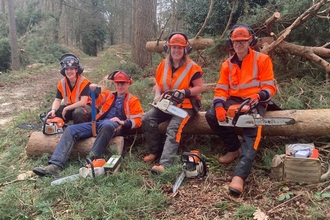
<point>230,138</point>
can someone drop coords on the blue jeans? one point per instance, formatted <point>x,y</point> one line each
<point>106,129</point>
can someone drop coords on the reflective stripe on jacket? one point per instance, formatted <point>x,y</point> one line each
<point>181,79</point>
<point>73,96</point>
<point>132,107</point>
<point>256,74</point>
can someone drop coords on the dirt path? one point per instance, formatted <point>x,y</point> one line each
<point>28,93</point>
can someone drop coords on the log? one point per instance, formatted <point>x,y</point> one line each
<point>40,144</point>
<point>196,43</point>
<point>312,122</point>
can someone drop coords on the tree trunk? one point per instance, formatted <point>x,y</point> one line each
<point>196,43</point>
<point>40,144</point>
<point>312,123</point>
<point>3,7</point>
<point>15,64</point>
<point>143,32</point>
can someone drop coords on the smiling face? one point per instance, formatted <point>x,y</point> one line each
<point>177,52</point>
<point>241,47</point>
<point>122,88</point>
<point>71,73</point>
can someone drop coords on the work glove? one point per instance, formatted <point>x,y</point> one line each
<point>221,113</point>
<point>254,100</point>
<point>178,96</point>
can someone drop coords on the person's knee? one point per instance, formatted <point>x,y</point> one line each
<point>79,115</point>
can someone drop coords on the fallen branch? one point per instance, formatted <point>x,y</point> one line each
<point>293,198</point>
<point>15,181</point>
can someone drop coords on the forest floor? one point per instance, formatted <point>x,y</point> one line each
<point>206,198</point>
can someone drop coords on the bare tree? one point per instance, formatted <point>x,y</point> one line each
<point>15,64</point>
<point>143,32</point>
<point>3,6</point>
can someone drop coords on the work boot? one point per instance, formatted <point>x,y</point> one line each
<point>228,157</point>
<point>156,170</point>
<point>236,185</point>
<point>50,170</point>
<point>150,158</point>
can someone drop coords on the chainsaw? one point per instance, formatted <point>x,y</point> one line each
<point>51,125</point>
<point>245,116</point>
<point>168,102</point>
<point>193,166</point>
<point>97,167</point>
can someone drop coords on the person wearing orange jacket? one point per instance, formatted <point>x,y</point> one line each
<point>247,74</point>
<point>73,89</point>
<point>120,111</point>
<point>176,72</point>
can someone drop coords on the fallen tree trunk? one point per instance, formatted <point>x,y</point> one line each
<point>40,144</point>
<point>315,122</point>
<point>196,43</point>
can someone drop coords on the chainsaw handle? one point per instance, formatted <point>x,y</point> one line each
<point>237,113</point>
<point>44,121</point>
<point>89,161</point>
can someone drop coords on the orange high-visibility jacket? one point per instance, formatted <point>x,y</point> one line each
<point>132,106</point>
<point>73,96</point>
<point>166,80</point>
<point>256,74</point>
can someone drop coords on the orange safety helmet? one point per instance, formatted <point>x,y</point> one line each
<point>177,40</point>
<point>240,33</point>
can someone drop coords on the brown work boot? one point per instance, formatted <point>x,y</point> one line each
<point>50,170</point>
<point>236,185</point>
<point>228,157</point>
<point>150,158</point>
<point>156,170</point>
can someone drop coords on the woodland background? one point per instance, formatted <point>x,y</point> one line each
<point>111,34</point>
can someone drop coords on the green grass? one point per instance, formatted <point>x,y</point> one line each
<point>133,193</point>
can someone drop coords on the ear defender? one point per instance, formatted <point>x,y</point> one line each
<point>70,60</point>
<point>178,39</point>
<point>120,76</point>
<point>254,39</point>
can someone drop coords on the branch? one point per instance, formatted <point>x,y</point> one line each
<point>206,19</point>
<point>270,21</point>
<point>293,198</point>
<point>163,28</point>
<point>230,18</point>
<point>301,19</point>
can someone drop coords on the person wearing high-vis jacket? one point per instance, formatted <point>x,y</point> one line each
<point>247,74</point>
<point>119,112</point>
<point>176,72</point>
<point>72,101</point>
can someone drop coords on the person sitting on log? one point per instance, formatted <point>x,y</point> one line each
<point>119,111</point>
<point>73,89</point>
<point>247,74</point>
<point>175,73</point>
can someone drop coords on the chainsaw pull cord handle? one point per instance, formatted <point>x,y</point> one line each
<point>93,113</point>
<point>238,112</point>
<point>187,154</point>
<point>90,162</point>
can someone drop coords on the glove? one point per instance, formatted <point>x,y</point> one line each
<point>254,99</point>
<point>221,113</point>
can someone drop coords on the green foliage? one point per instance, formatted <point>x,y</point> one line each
<point>26,20</point>
<point>5,54</point>
<point>245,211</point>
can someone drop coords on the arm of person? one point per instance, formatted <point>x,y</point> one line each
<point>197,87</point>
<point>55,106</point>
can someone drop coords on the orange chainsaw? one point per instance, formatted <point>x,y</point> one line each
<point>51,125</point>
<point>245,116</point>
